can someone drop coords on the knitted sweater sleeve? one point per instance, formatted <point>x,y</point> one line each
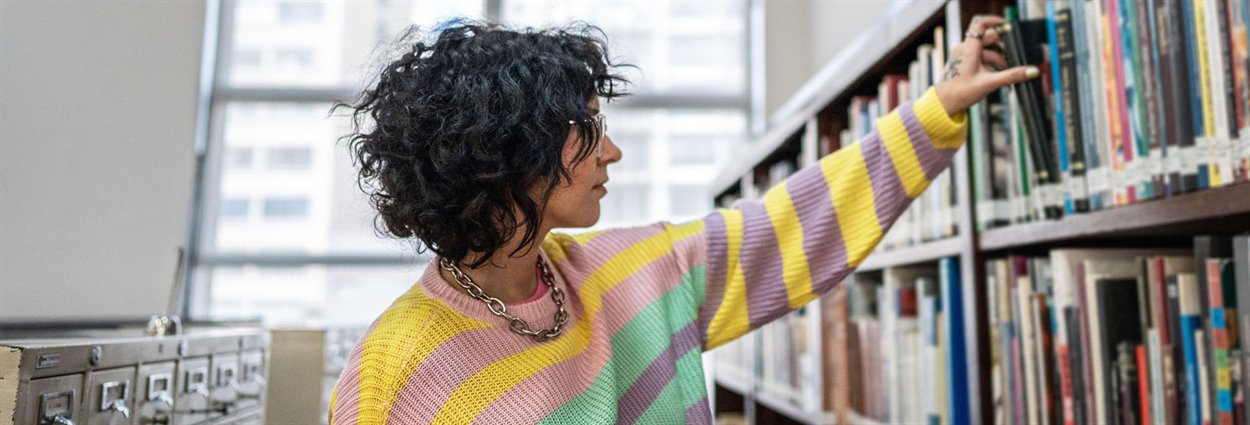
<point>763,258</point>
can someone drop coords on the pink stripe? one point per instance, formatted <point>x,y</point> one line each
<point>717,253</point>
<point>584,259</point>
<point>822,235</point>
<point>347,389</point>
<point>699,413</point>
<point>620,305</point>
<point>887,191</point>
<point>932,160</point>
<point>760,259</point>
<point>448,366</point>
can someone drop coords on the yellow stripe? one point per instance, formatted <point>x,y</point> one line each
<point>334,397</point>
<point>682,231</point>
<point>731,319</point>
<point>795,272</point>
<point>945,131</point>
<point>554,246</point>
<point>896,140</point>
<point>402,338</point>
<point>852,195</point>
<point>488,384</point>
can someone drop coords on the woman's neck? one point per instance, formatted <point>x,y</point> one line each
<point>510,278</point>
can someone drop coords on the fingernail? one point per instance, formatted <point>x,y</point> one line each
<point>1031,72</point>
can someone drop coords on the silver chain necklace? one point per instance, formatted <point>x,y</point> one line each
<point>498,308</point>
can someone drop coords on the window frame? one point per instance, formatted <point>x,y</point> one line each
<point>215,94</point>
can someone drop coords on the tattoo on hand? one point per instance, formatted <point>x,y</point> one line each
<point>952,69</point>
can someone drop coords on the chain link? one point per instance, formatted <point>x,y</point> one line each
<point>498,308</point>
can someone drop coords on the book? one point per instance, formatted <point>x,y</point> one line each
<point>1241,275</point>
<point>1025,44</point>
<point>1191,334</point>
<point>959,405</point>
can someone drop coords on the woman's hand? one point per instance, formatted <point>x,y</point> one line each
<point>973,69</point>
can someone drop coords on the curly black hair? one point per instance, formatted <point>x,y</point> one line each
<point>455,135</point>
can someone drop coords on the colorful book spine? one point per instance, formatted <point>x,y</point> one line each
<point>1220,341</point>
<point>1061,105</point>
<point>958,404</point>
<point>1191,330</point>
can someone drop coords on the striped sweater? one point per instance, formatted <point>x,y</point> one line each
<point>644,303</point>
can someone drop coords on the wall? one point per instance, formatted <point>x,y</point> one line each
<point>97,121</point>
<point>802,35</point>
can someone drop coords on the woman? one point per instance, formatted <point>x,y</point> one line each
<point>483,141</point>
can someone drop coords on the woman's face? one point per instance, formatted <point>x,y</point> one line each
<point>575,203</point>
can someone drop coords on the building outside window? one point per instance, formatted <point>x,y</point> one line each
<point>285,234</point>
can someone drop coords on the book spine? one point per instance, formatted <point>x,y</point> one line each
<point>1130,33</point>
<point>1097,163</point>
<point>1191,329</point>
<point>959,405</point>
<point>1127,408</point>
<point>1152,167</point>
<point>1154,354</point>
<point>1222,91</point>
<point>1143,385</point>
<point>1074,150</point>
<point>1077,374</point>
<point>1241,273</point>
<point>1061,103</point>
<point>1125,190</point>
<point>1220,346</point>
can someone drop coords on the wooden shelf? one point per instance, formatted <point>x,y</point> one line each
<point>779,405</point>
<point>840,73</point>
<point>1221,210</point>
<point>742,388</point>
<point>925,252</point>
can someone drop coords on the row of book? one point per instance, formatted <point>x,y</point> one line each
<point>896,345</point>
<point>1122,336</point>
<point>891,350</point>
<point>933,216</point>
<point>1138,100</point>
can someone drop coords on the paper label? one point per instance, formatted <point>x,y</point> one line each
<point>1077,187</point>
<point>1096,180</point>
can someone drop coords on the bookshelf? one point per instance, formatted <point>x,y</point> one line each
<point>800,132</point>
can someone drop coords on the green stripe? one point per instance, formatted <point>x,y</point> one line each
<point>671,408</point>
<point>658,321</point>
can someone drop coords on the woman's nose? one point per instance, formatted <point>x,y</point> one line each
<point>611,152</point>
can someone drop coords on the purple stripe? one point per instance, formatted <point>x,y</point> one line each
<point>760,259</point>
<point>931,158</point>
<point>887,190</point>
<point>659,374</point>
<point>717,257</point>
<point>822,236</point>
<point>699,413</point>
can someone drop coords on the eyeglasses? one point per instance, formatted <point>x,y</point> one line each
<point>601,128</point>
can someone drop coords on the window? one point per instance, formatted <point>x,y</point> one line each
<point>234,208</point>
<point>238,158</point>
<point>289,158</point>
<point>688,201</point>
<point>294,58</point>
<point>285,229</point>
<point>693,150</point>
<point>299,11</point>
<point>286,208</point>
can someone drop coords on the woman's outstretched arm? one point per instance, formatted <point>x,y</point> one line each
<point>763,258</point>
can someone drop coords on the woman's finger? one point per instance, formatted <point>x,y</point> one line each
<point>1014,75</point>
<point>981,23</point>
<point>989,39</point>
<point>994,59</point>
